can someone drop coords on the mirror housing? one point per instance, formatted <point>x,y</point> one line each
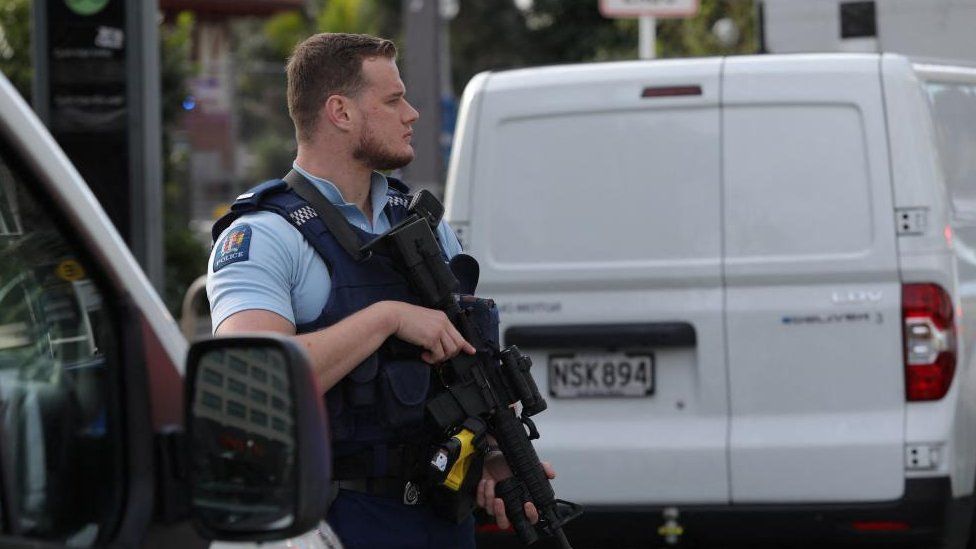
<point>257,439</point>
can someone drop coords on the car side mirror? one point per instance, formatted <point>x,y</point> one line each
<point>259,456</point>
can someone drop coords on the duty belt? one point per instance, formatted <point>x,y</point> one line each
<point>377,462</point>
<point>408,492</point>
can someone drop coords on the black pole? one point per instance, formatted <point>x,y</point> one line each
<point>421,19</point>
<point>97,88</point>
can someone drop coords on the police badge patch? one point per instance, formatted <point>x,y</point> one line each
<point>233,248</point>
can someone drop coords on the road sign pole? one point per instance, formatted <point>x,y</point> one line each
<point>422,21</point>
<point>647,37</point>
<point>647,13</point>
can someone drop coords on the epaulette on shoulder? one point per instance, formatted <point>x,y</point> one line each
<point>252,197</point>
<point>245,203</point>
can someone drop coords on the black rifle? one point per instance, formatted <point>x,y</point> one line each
<point>483,387</point>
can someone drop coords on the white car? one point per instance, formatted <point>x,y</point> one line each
<point>747,284</point>
<point>92,387</point>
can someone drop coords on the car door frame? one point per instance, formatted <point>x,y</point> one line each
<point>56,185</point>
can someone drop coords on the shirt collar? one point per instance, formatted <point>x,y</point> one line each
<point>378,187</point>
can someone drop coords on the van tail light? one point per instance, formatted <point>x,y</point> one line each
<point>881,526</point>
<point>930,341</point>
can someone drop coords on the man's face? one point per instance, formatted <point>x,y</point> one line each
<point>385,130</point>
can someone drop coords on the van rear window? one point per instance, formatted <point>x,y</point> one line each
<point>954,115</point>
<point>599,188</point>
<point>797,181</point>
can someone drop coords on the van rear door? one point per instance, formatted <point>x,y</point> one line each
<point>595,215</point>
<point>813,312</point>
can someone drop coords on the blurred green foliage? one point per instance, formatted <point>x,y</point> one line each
<point>693,37</point>
<point>282,32</point>
<point>15,51</point>
<point>356,16</point>
<point>186,256</point>
<point>259,49</point>
<point>175,66</point>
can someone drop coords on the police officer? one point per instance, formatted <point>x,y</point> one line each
<point>276,267</point>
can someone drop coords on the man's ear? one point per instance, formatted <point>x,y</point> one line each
<point>338,111</point>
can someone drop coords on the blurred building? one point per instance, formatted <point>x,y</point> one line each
<point>209,124</point>
<point>925,29</point>
<point>243,407</point>
<point>247,390</point>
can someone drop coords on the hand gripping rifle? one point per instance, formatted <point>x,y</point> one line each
<point>479,389</point>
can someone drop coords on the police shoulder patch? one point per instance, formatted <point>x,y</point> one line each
<point>234,247</point>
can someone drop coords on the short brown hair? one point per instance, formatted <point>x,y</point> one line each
<point>328,64</point>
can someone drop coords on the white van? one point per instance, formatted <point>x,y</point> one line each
<point>95,381</point>
<point>744,283</point>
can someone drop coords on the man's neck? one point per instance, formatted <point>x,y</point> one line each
<point>349,176</point>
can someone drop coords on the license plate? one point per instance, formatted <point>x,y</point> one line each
<point>600,375</point>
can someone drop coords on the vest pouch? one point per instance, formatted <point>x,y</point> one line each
<point>341,424</point>
<point>356,391</point>
<point>359,386</point>
<point>403,388</point>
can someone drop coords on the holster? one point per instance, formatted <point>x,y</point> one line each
<point>457,506</point>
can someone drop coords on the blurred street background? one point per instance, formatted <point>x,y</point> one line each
<point>171,108</point>
<point>225,124</point>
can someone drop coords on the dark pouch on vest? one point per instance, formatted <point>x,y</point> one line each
<point>356,391</point>
<point>340,423</point>
<point>360,386</point>
<point>403,389</point>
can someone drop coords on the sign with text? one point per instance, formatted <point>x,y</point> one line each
<point>648,8</point>
<point>89,110</point>
<point>96,87</point>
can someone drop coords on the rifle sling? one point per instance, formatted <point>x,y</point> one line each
<point>329,214</point>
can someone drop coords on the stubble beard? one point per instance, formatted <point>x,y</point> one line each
<point>371,152</point>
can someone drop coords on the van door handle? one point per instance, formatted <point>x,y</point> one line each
<point>649,334</point>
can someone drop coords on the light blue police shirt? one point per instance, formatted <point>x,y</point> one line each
<point>275,269</point>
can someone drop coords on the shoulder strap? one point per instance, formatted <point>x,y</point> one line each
<point>244,203</point>
<point>329,214</point>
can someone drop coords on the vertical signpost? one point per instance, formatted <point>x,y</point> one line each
<point>422,21</point>
<point>648,12</point>
<point>96,86</point>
